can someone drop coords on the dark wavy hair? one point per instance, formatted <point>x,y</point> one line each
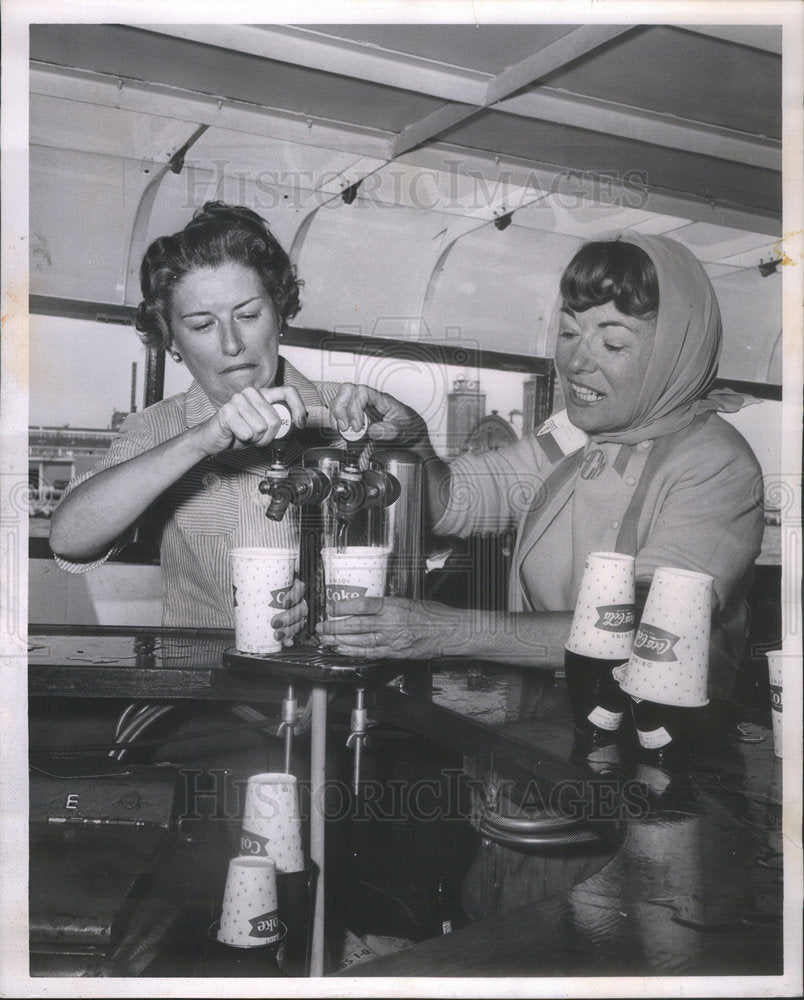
<point>217,234</point>
<point>612,271</point>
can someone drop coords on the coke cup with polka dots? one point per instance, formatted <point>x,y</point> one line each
<point>261,580</point>
<point>272,821</point>
<point>600,638</point>
<point>667,672</point>
<point>249,914</point>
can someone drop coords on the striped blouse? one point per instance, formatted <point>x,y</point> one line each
<point>214,507</point>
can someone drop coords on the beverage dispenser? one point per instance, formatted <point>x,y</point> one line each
<point>340,502</point>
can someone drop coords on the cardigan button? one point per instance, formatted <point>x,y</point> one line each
<point>631,480</point>
<point>615,525</point>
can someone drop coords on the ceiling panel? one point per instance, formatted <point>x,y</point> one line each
<point>679,73</point>
<point>142,55</point>
<point>593,152</point>
<point>489,48</point>
<point>89,128</point>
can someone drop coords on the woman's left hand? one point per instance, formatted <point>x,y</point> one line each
<point>393,628</point>
<point>290,621</point>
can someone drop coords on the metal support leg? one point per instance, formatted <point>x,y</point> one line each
<point>358,735</point>
<point>318,756</point>
<point>290,715</point>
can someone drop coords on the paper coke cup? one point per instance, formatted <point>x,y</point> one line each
<point>775,676</point>
<point>272,821</point>
<point>604,619</point>
<point>261,579</point>
<point>669,662</point>
<point>355,571</point>
<point>249,915</point>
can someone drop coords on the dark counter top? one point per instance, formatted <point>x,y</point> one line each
<point>690,882</point>
<point>694,882</point>
<point>126,662</point>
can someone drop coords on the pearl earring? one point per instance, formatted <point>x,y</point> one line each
<point>176,357</point>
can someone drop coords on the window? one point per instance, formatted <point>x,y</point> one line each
<point>470,402</point>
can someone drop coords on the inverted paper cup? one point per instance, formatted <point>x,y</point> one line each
<point>249,915</point>
<point>272,821</point>
<point>355,571</point>
<point>775,676</point>
<point>669,662</point>
<point>604,618</point>
<point>261,579</point>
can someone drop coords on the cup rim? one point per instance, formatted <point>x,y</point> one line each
<point>613,556</point>
<point>272,778</point>
<point>212,934</point>
<point>356,551</point>
<point>255,860</point>
<point>620,674</point>
<point>263,552</point>
<point>689,573</point>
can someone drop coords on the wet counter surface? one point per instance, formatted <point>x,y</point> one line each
<point>694,883</point>
<point>690,878</point>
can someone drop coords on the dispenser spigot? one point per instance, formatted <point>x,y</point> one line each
<point>292,486</point>
<point>382,489</point>
<point>355,490</point>
<point>348,494</point>
<point>278,487</point>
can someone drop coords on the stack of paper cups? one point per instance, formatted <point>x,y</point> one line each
<point>272,822</point>
<point>261,579</point>
<point>603,623</point>
<point>775,676</point>
<point>669,662</point>
<point>249,916</point>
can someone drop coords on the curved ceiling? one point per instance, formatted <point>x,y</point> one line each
<point>392,159</point>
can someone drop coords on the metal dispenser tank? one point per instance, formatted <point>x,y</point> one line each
<point>402,522</point>
<point>319,527</point>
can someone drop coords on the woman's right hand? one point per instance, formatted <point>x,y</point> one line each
<point>391,421</point>
<point>249,418</point>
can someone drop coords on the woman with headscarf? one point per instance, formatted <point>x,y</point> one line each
<point>639,462</point>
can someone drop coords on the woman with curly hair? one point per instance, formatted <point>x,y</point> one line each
<point>216,296</point>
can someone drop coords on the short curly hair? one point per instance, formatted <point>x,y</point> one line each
<point>612,271</point>
<point>217,234</point>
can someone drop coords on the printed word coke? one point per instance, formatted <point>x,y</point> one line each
<point>655,643</point>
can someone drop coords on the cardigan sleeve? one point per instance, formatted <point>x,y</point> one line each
<point>709,519</point>
<point>709,515</point>
<point>492,492</point>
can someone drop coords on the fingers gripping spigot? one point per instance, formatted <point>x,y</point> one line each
<point>285,485</point>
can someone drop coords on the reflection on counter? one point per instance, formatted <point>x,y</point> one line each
<point>482,693</point>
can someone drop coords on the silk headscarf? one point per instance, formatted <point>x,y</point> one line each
<point>683,366</point>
